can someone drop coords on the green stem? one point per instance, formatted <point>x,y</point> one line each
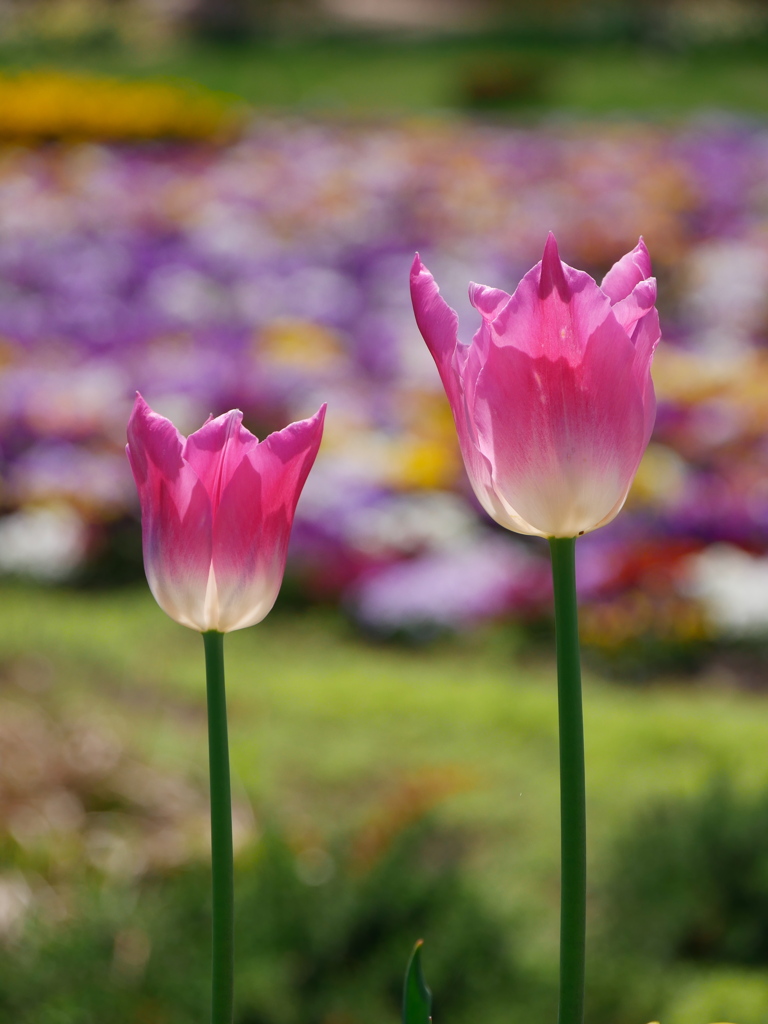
<point>573,816</point>
<point>222,995</point>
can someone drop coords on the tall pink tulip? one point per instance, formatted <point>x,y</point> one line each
<point>217,510</point>
<point>553,400</point>
<point>554,407</point>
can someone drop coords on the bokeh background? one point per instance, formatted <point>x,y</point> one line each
<point>216,202</point>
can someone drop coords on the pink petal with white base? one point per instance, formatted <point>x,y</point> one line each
<point>249,550</point>
<point>553,401</point>
<point>553,447</point>
<point>175,514</point>
<point>217,510</point>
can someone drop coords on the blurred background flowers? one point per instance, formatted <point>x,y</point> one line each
<point>266,272</point>
<point>217,203</point>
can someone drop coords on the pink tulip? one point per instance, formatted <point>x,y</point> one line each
<point>553,400</point>
<point>217,510</point>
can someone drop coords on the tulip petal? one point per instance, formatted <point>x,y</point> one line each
<point>177,552</point>
<point>550,431</point>
<point>217,449</point>
<point>553,401</point>
<point>487,301</point>
<point>153,439</point>
<point>175,516</point>
<point>553,311</point>
<point>640,301</point>
<point>646,337</point>
<point>252,523</point>
<point>458,366</point>
<point>552,276</point>
<point>439,326</point>
<point>217,510</point>
<point>627,273</point>
<point>246,584</point>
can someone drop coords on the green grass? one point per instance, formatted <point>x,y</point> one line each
<point>324,727</point>
<point>382,77</point>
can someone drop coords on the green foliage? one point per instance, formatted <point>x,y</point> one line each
<point>683,912</point>
<point>384,76</point>
<point>689,880</point>
<point>320,936</point>
<point>417,998</point>
<point>325,727</point>
<point>720,994</point>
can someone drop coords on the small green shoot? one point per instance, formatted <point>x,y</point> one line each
<point>417,998</point>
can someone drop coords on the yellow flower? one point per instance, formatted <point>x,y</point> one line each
<point>57,104</point>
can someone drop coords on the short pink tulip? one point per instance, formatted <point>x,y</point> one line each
<point>553,400</point>
<point>217,510</point>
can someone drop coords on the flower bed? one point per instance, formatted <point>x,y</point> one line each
<point>271,274</point>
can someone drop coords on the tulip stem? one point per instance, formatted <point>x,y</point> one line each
<point>222,995</point>
<point>573,817</point>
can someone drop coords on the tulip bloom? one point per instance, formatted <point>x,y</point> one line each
<point>553,400</point>
<point>217,510</point>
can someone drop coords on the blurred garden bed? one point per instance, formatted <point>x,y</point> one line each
<point>381,794</point>
<point>269,272</point>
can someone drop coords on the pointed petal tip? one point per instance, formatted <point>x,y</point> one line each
<point>551,252</point>
<point>418,268</point>
<point>139,403</point>
<point>319,415</point>
<point>632,270</point>
<point>141,413</point>
<point>552,273</point>
<point>487,301</point>
<point>318,419</point>
<point>644,257</point>
<point>310,427</point>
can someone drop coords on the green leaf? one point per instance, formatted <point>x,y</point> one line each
<point>417,999</point>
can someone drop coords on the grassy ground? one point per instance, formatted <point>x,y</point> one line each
<point>330,734</point>
<point>325,727</point>
<point>410,77</point>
